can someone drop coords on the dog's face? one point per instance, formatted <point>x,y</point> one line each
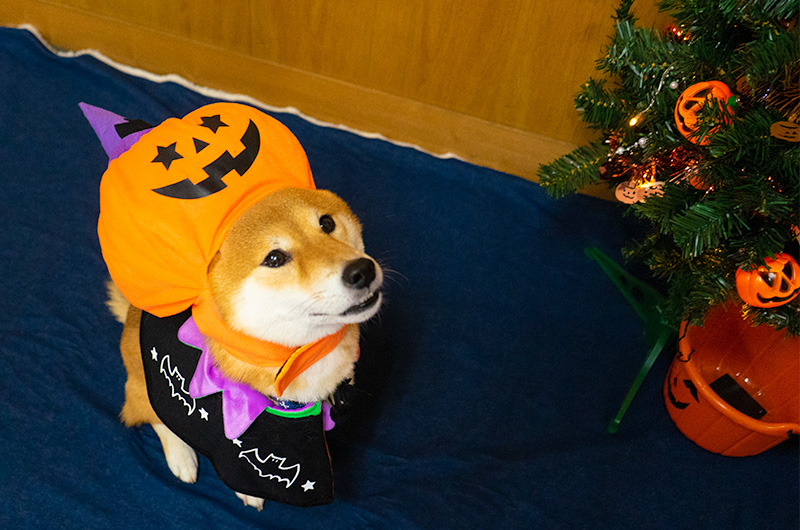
<point>292,269</point>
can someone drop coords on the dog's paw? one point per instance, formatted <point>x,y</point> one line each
<point>181,459</point>
<point>183,463</point>
<point>255,502</point>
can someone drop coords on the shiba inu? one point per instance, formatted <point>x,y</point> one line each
<point>240,287</point>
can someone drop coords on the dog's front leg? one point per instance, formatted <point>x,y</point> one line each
<point>181,459</point>
<point>255,502</point>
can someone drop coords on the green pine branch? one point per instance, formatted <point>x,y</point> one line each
<point>708,224</point>
<point>573,171</point>
<point>599,107</point>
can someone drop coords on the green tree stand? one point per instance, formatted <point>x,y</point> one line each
<point>645,300</point>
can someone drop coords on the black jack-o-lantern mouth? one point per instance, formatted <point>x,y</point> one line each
<point>217,169</point>
<point>778,299</point>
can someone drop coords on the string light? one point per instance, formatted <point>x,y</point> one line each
<point>638,118</point>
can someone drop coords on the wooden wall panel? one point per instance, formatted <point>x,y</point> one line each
<point>493,76</point>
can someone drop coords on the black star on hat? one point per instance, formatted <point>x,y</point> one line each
<point>167,155</point>
<point>213,122</point>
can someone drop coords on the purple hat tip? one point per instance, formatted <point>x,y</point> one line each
<point>116,133</point>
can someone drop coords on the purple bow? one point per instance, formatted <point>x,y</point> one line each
<point>241,404</point>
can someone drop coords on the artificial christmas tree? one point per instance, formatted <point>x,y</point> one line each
<point>700,136</point>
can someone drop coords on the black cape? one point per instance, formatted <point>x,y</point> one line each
<point>277,458</point>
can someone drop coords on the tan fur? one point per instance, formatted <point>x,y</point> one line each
<point>287,219</point>
<point>137,409</point>
<point>116,302</point>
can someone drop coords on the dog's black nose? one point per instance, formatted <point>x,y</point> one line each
<point>359,273</point>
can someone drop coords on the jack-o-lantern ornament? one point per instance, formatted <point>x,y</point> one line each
<point>627,192</point>
<point>696,181</point>
<point>689,107</point>
<point>770,285</point>
<point>785,130</point>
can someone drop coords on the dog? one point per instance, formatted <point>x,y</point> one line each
<point>290,272</point>
<point>283,274</point>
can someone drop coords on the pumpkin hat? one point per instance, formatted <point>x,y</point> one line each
<point>170,195</point>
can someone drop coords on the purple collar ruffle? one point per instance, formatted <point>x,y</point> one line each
<point>241,404</point>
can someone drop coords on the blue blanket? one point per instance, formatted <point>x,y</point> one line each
<point>485,385</point>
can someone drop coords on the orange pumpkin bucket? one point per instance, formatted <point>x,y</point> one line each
<point>734,389</point>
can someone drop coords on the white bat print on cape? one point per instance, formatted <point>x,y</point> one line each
<point>273,467</point>
<point>176,383</point>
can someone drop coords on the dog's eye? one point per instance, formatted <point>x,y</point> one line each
<point>276,258</point>
<point>327,223</point>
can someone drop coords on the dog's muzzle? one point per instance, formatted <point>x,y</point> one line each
<point>360,274</point>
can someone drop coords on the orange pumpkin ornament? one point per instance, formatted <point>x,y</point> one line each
<point>696,181</point>
<point>690,103</point>
<point>770,285</point>
<point>785,130</point>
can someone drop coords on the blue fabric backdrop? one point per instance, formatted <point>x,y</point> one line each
<point>487,380</point>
